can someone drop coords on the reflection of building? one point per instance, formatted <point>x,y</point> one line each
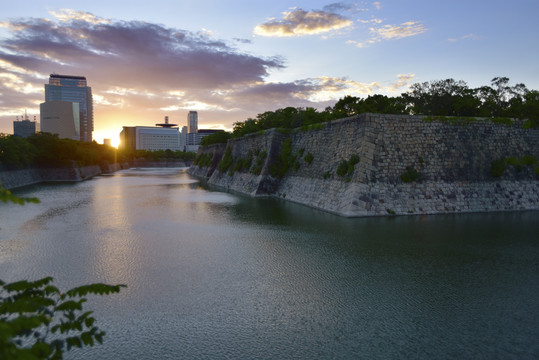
<point>62,118</point>
<point>25,127</point>
<point>74,89</point>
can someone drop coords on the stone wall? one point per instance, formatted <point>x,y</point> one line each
<point>12,179</point>
<point>452,161</point>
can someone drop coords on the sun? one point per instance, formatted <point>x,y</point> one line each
<point>114,137</point>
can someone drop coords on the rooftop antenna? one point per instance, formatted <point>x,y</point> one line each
<point>166,124</point>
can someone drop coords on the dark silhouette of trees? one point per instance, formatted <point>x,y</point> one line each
<point>447,97</point>
<point>47,150</point>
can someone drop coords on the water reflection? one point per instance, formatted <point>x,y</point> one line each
<point>217,275</point>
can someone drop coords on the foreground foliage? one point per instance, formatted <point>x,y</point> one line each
<point>7,196</point>
<point>38,321</point>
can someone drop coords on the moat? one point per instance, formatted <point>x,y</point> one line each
<point>215,275</point>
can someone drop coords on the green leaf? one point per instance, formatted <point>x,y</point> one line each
<point>69,305</point>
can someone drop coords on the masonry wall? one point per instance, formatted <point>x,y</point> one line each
<point>11,179</point>
<point>453,162</point>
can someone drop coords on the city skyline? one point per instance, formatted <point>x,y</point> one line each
<point>232,60</point>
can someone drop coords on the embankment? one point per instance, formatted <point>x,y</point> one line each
<point>11,179</point>
<point>374,164</point>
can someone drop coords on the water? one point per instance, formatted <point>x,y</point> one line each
<point>213,275</point>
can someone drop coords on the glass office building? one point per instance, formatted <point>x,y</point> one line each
<point>73,89</point>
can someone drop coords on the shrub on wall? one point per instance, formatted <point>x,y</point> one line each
<point>347,167</point>
<point>309,158</point>
<point>409,175</point>
<point>260,157</point>
<point>226,161</point>
<point>342,169</point>
<point>498,166</point>
<point>203,160</point>
<point>285,160</point>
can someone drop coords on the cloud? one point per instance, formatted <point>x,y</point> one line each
<point>464,37</point>
<point>391,32</point>
<point>311,91</point>
<point>128,53</point>
<point>299,22</point>
<point>410,28</point>
<point>404,80</point>
<point>339,7</point>
<point>68,15</point>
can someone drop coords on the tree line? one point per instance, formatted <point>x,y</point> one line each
<point>48,150</point>
<point>435,98</point>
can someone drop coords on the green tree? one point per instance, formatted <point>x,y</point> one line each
<point>38,321</point>
<point>16,152</point>
<point>220,137</point>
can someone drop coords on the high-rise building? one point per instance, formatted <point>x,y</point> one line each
<point>62,118</point>
<point>73,89</point>
<point>25,127</point>
<point>192,122</point>
<point>183,137</point>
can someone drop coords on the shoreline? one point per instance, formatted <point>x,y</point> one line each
<point>13,179</point>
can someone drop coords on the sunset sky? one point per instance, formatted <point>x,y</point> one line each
<point>231,60</point>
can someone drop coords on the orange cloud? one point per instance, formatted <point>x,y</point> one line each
<point>299,22</point>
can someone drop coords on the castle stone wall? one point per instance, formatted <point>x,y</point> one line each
<point>453,161</point>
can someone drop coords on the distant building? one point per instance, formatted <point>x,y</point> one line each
<point>62,118</point>
<point>128,138</point>
<point>155,138</point>
<point>107,142</point>
<point>68,88</point>
<point>192,122</point>
<point>25,127</point>
<point>183,137</point>
<point>162,137</point>
<point>196,138</point>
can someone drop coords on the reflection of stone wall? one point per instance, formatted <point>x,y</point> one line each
<point>164,163</point>
<point>453,163</point>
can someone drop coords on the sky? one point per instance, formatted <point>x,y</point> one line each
<point>231,60</point>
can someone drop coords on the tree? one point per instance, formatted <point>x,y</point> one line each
<point>16,152</point>
<point>37,321</point>
<point>220,137</point>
